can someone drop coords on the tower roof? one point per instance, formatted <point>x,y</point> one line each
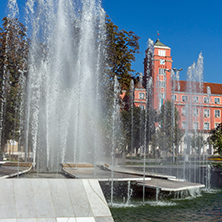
<point>139,86</point>
<point>160,44</point>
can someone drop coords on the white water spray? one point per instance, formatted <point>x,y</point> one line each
<point>63,108</point>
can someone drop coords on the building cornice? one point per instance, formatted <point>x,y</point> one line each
<point>162,47</point>
<point>199,105</point>
<point>136,89</point>
<point>165,60</point>
<point>195,93</point>
<point>139,101</point>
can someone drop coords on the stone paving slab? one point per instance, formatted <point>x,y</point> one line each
<point>101,175</point>
<point>169,185</point>
<point>12,169</point>
<point>8,170</point>
<point>163,182</point>
<point>63,219</point>
<point>106,174</point>
<point>140,173</point>
<point>52,200</point>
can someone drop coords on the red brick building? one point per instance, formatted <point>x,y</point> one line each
<point>206,111</point>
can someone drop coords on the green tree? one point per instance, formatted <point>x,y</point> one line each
<point>197,143</point>
<point>194,143</point>
<point>121,49</point>
<point>13,55</point>
<point>216,138</point>
<point>134,131</point>
<point>169,133</point>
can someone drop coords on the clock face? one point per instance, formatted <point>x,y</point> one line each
<point>162,62</point>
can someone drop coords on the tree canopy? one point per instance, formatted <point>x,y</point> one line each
<point>216,138</point>
<point>169,132</point>
<point>134,122</point>
<point>121,49</point>
<point>13,56</point>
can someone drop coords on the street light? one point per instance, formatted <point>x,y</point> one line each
<point>175,70</point>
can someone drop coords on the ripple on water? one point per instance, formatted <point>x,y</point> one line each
<point>122,205</point>
<point>161,203</point>
<point>137,204</point>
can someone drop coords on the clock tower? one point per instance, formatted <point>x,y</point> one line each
<point>160,73</point>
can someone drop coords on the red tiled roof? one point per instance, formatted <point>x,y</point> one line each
<point>215,88</point>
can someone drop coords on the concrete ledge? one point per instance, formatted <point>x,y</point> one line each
<point>170,185</point>
<point>138,173</point>
<point>125,179</point>
<point>15,166</point>
<point>78,165</point>
<point>61,219</point>
<point>183,188</point>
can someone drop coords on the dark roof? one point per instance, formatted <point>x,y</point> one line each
<point>215,88</point>
<point>139,86</point>
<point>158,43</point>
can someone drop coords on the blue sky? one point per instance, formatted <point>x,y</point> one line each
<point>187,27</point>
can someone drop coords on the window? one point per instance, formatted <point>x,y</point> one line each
<point>162,95</point>
<point>195,125</point>
<point>216,125</point>
<point>195,112</point>
<point>217,100</point>
<point>195,99</point>
<point>174,97</point>
<point>162,72</point>
<point>217,113</point>
<point>184,98</point>
<point>184,112</point>
<point>206,126</point>
<point>141,107</point>
<point>206,100</point>
<point>161,52</point>
<point>162,62</point>
<point>141,95</point>
<point>183,125</point>
<point>162,84</point>
<point>206,113</point>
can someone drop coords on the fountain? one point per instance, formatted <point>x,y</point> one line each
<point>62,103</point>
<point>63,107</point>
<point>192,170</point>
<point>61,111</point>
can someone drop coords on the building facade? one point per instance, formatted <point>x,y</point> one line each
<point>203,106</point>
